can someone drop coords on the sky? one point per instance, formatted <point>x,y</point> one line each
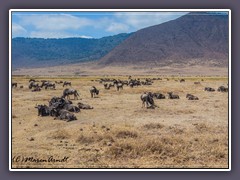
<point>84,24</point>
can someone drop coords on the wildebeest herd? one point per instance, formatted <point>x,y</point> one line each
<point>62,108</point>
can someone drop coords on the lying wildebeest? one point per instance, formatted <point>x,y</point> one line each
<point>64,114</point>
<point>14,85</point>
<point>182,80</point>
<point>84,106</point>
<point>172,96</point>
<point>147,100</point>
<point>158,96</point>
<point>61,103</point>
<point>197,82</point>
<point>67,92</point>
<point>67,83</point>
<point>209,89</point>
<point>191,97</point>
<point>94,91</point>
<point>222,89</point>
<point>44,110</point>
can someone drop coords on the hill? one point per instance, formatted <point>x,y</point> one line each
<point>39,52</point>
<point>193,39</point>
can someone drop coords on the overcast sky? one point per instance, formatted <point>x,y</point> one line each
<point>84,24</point>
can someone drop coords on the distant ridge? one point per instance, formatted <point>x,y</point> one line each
<point>40,52</point>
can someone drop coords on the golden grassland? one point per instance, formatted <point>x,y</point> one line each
<point>118,132</point>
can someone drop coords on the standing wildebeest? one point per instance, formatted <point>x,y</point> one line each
<point>14,85</point>
<point>119,86</point>
<point>222,89</point>
<point>50,85</point>
<point>191,97</point>
<point>147,100</point>
<point>209,89</point>
<point>172,96</point>
<point>68,92</point>
<point>67,83</point>
<point>32,84</point>
<point>94,91</point>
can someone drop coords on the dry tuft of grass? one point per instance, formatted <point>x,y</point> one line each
<point>59,135</point>
<point>150,126</point>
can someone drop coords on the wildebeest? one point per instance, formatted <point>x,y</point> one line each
<point>33,84</point>
<point>50,85</point>
<point>37,88</point>
<point>31,80</point>
<point>158,96</point>
<point>14,85</point>
<point>67,92</point>
<point>147,100</point>
<point>21,87</point>
<point>119,86</point>
<point>64,114</point>
<point>94,91</point>
<point>84,106</point>
<point>191,97</point>
<point>182,80</point>
<point>172,96</point>
<point>209,89</point>
<point>67,83</point>
<point>222,89</point>
<point>197,82</point>
<point>44,110</point>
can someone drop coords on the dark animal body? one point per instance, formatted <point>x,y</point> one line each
<point>67,83</point>
<point>84,106</point>
<point>209,89</point>
<point>14,85</point>
<point>147,100</point>
<point>67,92</point>
<point>172,96</point>
<point>191,97</point>
<point>93,91</point>
<point>222,89</point>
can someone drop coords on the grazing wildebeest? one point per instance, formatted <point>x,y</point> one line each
<point>84,106</point>
<point>50,85</point>
<point>14,85</point>
<point>191,97</point>
<point>64,114</point>
<point>147,100</point>
<point>172,96</point>
<point>209,89</point>
<point>222,89</point>
<point>37,88</point>
<point>67,83</point>
<point>67,92</point>
<point>33,84</point>
<point>94,91</point>
<point>158,96</point>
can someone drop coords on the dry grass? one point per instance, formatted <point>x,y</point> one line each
<point>118,132</point>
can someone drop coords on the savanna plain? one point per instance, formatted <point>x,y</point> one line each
<point>118,132</point>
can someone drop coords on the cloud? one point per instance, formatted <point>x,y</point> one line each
<point>56,34</point>
<point>117,28</point>
<point>55,22</point>
<point>18,30</point>
<point>138,20</point>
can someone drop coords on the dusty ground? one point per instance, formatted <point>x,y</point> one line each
<point>118,132</point>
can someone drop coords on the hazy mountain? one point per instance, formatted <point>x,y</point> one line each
<point>38,52</point>
<point>195,38</point>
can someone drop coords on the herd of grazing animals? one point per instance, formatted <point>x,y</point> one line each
<point>63,109</point>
